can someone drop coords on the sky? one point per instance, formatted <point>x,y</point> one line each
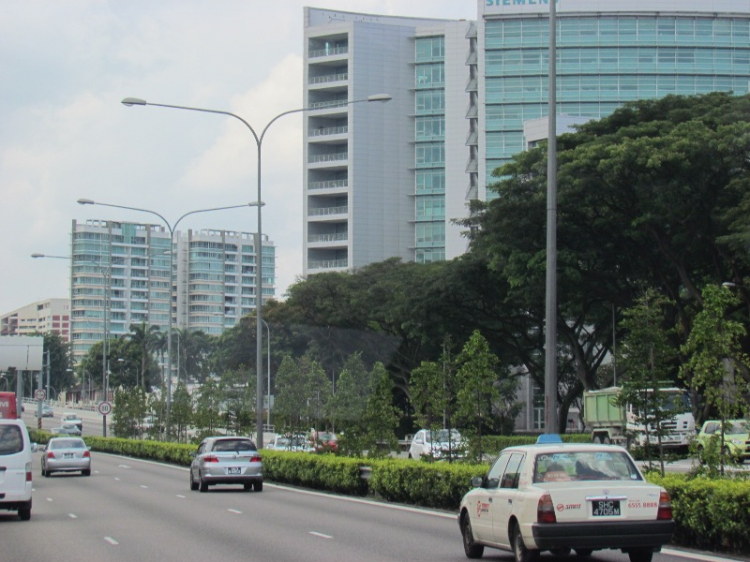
<point>65,66</point>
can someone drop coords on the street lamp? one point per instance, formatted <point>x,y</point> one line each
<point>106,272</point>
<point>129,102</point>
<point>268,366</point>
<point>171,228</point>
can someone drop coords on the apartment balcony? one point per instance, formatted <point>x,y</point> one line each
<point>330,161</point>
<point>340,105</point>
<point>327,53</point>
<point>327,239</point>
<point>328,131</point>
<point>328,213</point>
<point>327,264</point>
<point>331,184</point>
<point>328,78</point>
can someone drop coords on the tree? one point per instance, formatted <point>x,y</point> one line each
<point>381,416</point>
<point>181,416</point>
<point>60,375</point>
<point>348,403</point>
<point>145,338</point>
<point>207,406</point>
<point>477,395</point>
<point>714,354</point>
<point>647,357</point>
<point>291,396</point>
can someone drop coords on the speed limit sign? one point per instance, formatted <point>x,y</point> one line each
<point>39,394</point>
<point>105,408</point>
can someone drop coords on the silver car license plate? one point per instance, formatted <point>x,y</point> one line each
<point>234,470</point>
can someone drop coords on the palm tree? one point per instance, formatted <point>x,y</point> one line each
<point>145,338</point>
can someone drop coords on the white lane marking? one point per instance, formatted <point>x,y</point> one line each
<point>321,535</point>
<point>72,516</point>
<point>234,511</point>
<point>123,466</point>
<point>692,555</point>
<point>180,496</point>
<point>116,478</point>
<point>50,500</point>
<point>144,487</point>
<point>111,541</point>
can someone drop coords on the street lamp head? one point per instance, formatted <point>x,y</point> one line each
<point>256,204</point>
<point>728,285</point>
<point>85,201</point>
<point>130,102</point>
<point>35,255</point>
<point>380,97</point>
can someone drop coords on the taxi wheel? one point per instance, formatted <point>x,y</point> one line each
<point>523,554</point>
<point>203,485</point>
<point>471,549</point>
<point>560,551</point>
<point>258,486</point>
<point>584,551</point>
<point>193,483</point>
<point>641,555</point>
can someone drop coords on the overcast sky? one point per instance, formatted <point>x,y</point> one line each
<point>65,65</point>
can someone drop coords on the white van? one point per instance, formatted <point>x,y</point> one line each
<point>15,468</point>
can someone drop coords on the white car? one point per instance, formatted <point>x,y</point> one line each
<point>440,444</point>
<point>71,418</point>
<point>15,464</point>
<point>559,497</point>
<point>297,443</point>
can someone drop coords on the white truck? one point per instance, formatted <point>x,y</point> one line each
<point>611,423</point>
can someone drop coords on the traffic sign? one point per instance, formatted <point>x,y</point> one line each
<point>105,408</point>
<point>39,394</point>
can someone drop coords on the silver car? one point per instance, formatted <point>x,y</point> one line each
<point>66,454</point>
<point>226,460</point>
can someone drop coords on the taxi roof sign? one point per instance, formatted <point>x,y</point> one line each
<point>546,438</point>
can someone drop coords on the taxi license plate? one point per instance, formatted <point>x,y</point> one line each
<point>234,470</point>
<point>606,508</point>
<point>69,455</point>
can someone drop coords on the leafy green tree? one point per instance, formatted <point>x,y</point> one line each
<point>130,408</point>
<point>60,376</point>
<point>291,396</point>
<point>207,407</point>
<point>349,402</point>
<point>381,417</point>
<point>238,391</point>
<point>646,356</point>
<point>478,372</point>
<point>715,354</point>
<point>181,416</point>
<point>145,338</point>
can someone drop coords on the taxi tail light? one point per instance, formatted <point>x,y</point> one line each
<point>545,511</point>
<point>86,454</point>
<point>50,455</point>
<point>210,458</point>
<point>665,506</point>
<point>255,458</point>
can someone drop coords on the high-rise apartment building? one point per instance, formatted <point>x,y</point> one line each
<point>51,315</point>
<point>120,276</point>
<point>467,96</point>
<point>387,181</point>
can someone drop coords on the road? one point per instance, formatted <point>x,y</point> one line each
<point>132,510</point>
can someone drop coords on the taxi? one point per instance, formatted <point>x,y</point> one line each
<point>558,497</point>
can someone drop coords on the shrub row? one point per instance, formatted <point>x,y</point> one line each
<point>709,514</point>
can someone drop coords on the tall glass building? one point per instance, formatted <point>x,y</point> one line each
<point>120,276</point>
<point>387,181</point>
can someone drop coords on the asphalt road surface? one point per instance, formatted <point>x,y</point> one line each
<point>130,510</point>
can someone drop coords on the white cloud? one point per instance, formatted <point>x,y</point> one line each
<point>64,135</point>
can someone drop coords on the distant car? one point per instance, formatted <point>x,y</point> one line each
<point>557,497</point>
<point>72,418</point>
<point>736,437</point>
<point>324,442</point>
<point>440,444</point>
<point>66,454</point>
<point>47,411</point>
<point>227,460</point>
<point>297,443</point>
<point>67,429</point>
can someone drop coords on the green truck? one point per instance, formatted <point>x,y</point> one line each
<point>622,424</point>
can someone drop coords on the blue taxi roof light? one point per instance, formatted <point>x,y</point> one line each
<point>546,438</point>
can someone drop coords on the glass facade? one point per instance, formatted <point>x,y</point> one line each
<point>603,62</point>
<point>429,152</point>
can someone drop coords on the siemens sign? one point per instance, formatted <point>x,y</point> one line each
<point>508,7</point>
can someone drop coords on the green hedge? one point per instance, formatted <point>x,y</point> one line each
<point>709,514</point>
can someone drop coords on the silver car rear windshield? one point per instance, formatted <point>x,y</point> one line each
<point>584,465</point>
<point>234,445</point>
<point>67,444</point>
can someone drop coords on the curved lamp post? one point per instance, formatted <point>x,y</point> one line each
<point>106,272</point>
<point>171,228</point>
<point>259,240</point>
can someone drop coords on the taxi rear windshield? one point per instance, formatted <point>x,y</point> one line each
<point>584,465</point>
<point>11,440</point>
